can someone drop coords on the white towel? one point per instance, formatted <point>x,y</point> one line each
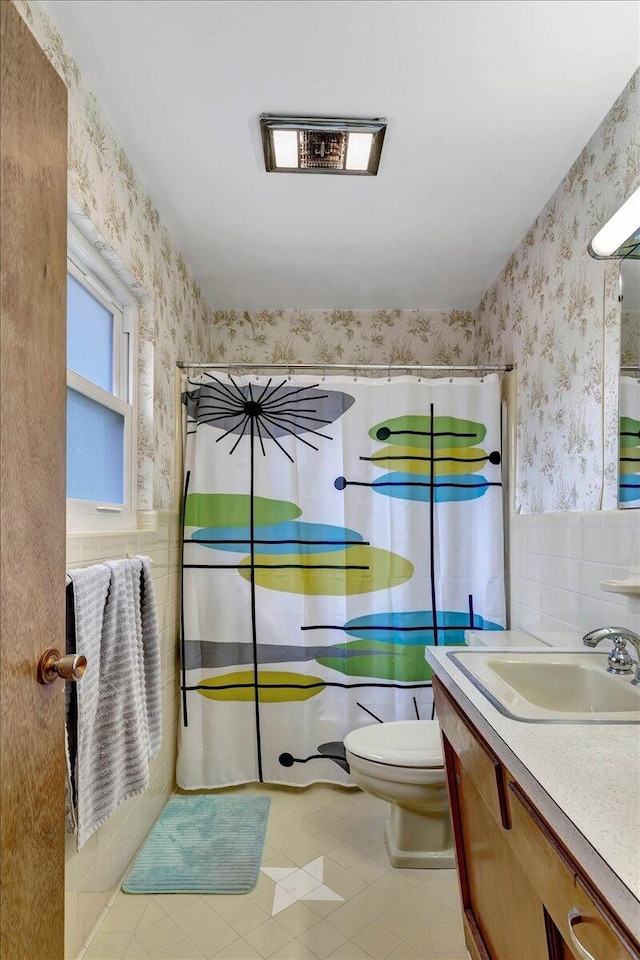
<point>119,706</point>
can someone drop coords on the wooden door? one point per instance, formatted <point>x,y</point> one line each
<point>33,144</point>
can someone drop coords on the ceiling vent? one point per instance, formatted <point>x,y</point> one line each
<point>322,145</point>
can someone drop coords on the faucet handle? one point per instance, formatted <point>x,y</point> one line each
<point>619,661</point>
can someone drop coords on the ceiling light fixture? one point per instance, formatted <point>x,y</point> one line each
<point>322,145</point>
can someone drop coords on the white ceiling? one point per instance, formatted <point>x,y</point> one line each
<point>488,104</point>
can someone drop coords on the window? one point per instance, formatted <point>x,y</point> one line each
<point>100,392</point>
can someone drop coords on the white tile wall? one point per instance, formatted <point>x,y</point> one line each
<point>92,876</point>
<point>557,562</point>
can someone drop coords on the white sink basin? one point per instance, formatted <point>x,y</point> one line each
<point>552,687</point>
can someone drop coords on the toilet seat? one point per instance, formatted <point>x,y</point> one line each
<point>406,744</point>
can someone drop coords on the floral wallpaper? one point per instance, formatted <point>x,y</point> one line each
<point>110,205</point>
<point>343,336</point>
<point>554,312</point>
<point>630,347</point>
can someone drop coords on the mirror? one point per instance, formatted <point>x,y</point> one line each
<point>629,391</point>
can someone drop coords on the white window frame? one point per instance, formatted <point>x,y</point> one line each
<point>85,263</point>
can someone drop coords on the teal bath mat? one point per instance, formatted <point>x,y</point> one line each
<point>202,844</point>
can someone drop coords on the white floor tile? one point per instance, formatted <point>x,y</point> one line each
<point>421,941</point>
<point>294,950</point>
<point>193,916</point>
<point>135,951</point>
<point>268,937</point>
<point>172,902</point>
<point>297,918</point>
<point>152,913</point>
<point>214,937</point>
<point>400,921</point>
<point>108,946</point>
<point>423,902</point>
<point>347,884</point>
<point>322,939</point>
<point>447,936</point>
<point>369,869</point>
<point>405,952</point>
<point>299,884</point>
<point>324,842</point>
<point>245,916</point>
<point>238,950</point>
<point>123,917</point>
<point>349,919</point>
<point>160,935</point>
<point>350,951</point>
<point>377,941</point>
<point>182,950</point>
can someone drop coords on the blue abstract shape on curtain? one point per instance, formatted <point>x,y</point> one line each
<point>416,626</point>
<point>279,539</point>
<point>406,486</point>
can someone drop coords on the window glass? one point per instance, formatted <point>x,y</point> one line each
<point>89,336</point>
<point>95,450</point>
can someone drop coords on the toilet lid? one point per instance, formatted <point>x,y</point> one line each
<point>400,743</point>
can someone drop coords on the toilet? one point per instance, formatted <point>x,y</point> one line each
<point>402,762</point>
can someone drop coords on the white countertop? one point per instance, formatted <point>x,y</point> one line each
<point>584,779</point>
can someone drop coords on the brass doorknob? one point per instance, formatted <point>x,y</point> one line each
<point>51,666</point>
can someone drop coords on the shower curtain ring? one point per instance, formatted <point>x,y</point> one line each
<point>389,374</point>
<point>324,374</point>
<point>289,370</point>
<point>355,373</point>
<point>451,375</point>
<point>420,373</point>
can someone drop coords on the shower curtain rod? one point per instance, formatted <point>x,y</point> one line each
<point>629,367</point>
<point>477,368</point>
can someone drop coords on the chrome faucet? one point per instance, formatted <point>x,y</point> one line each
<point>619,660</point>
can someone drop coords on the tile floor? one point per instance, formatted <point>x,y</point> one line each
<point>322,841</point>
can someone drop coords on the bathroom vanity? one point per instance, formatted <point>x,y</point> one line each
<point>546,818</point>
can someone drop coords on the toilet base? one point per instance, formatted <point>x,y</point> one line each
<point>417,859</point>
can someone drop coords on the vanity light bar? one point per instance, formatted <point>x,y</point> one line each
<point>616,231</point>
<point>322,144</point>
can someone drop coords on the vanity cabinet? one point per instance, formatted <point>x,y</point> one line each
<point>524,896</point>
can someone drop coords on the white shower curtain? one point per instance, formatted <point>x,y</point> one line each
<point>333,527</point>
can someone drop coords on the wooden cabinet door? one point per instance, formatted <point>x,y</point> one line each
<point>33,219</point>
<point>504,913</point>
<point>576,908</point>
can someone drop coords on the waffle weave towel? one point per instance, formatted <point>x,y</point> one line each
<point>118,699</point>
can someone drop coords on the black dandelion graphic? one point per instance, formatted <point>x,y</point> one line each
<point>262,413</point>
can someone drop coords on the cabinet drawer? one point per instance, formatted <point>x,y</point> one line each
<point>574,906</point>
<point>475,756</point>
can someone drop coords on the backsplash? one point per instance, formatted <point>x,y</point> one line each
<point>557,563</point>
<point>92,876</point>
